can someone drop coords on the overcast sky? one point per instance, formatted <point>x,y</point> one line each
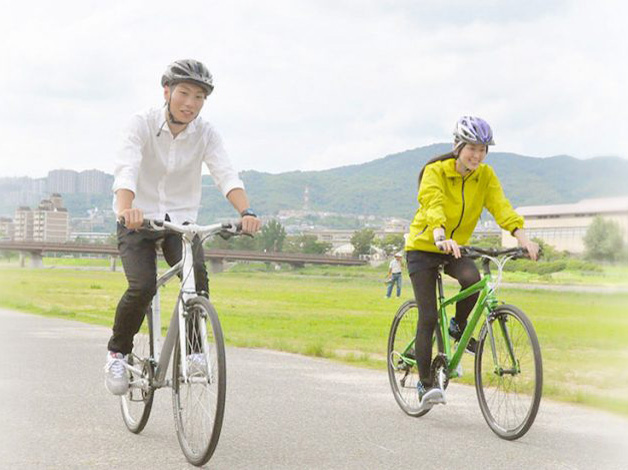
<point>314,84</point>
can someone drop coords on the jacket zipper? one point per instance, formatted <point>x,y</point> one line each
<point>422,231</point>
<point>462,213</point>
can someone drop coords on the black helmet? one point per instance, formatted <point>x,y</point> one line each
<point>188,70</point>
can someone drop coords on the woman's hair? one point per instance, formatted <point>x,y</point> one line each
<point>438,158</point>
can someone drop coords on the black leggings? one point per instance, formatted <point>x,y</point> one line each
<point>138,252</point>
<point>424,285</point>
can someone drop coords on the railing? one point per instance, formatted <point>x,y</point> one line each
<point>213,255</point>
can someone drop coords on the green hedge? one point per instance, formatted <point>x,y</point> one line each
<point>549,267</point>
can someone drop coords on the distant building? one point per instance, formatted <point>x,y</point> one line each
<point>94,182</point>
<point>337,238</point>
<point>7,228</point>
<point>62,181</point>
<point>341,238</point>
<point>564,226</point>
<point>49,222</point>
<point>90,237</point>
<point>73,182</point>
<point>395,225</point>
<point>23,224</point>
<point>487,229</point>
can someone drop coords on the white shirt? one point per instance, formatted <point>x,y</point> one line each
<point>395,266</point>
<point>165,173</point>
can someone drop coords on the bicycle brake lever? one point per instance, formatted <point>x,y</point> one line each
<point>239,231</point>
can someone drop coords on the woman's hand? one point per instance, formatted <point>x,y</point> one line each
<point>524,242</point>
<point>449,246</point>
<point>533,249</point>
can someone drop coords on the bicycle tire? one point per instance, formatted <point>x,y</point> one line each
<point>509,398</point>
<point>200,401</point>
<point>403,377</point>
<point>136,405</point>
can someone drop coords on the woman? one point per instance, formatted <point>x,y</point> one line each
<point>453,190</point>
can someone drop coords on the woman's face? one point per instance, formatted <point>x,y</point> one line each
<point>472,155</point>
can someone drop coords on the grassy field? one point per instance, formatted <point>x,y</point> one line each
<point>340,313</point>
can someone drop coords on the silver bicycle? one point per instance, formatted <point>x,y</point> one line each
<point>195,337</point>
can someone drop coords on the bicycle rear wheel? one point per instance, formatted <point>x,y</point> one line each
<point>137,403</point>
<point>403,373</point>
<point>509,377</point>
<point>199,400</point>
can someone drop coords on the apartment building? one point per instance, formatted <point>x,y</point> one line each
<point>7,228</point>
<point>49,222</point>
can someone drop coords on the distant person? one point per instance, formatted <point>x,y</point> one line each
<point>394,275</point>
<point>453,190</point>
<point>158,175</point>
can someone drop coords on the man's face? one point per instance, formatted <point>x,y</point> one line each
<point>186,100</point>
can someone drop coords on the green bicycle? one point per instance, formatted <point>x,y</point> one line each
<point>508,364</point>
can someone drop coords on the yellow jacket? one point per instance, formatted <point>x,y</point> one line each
<point>448,200</point>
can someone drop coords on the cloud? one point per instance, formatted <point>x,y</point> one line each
<point>315,84</point>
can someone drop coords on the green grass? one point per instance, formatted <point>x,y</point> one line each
<point>340,313</point>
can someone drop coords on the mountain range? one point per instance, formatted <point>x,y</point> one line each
<point>388,186</point>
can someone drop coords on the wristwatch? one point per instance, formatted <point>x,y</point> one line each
<point>248,212</point>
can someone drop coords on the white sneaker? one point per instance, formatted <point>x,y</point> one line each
<point>116,377</point>
<point>197,365</point>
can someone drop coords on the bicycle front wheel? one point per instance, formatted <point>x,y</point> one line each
<point>138,401</point>
<point>199,398</point>
<point>508,372</point>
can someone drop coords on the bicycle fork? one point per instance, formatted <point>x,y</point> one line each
<point>192,328</point>
<point>503,329</point>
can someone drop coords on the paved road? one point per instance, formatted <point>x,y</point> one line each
<point>283,412</point>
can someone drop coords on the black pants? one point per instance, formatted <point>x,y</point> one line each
<point>138,252</point>
<point>423,267</point>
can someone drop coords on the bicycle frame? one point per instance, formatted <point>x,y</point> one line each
<point>163,352</point>
<point>486,303</point>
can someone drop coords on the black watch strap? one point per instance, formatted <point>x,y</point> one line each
<point>248,212</point>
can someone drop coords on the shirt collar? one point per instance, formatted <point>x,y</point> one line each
<point>190,128</point>
<point>449,166</point>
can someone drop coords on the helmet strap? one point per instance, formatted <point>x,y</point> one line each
<point>171,118</point>
<point>458,146</point>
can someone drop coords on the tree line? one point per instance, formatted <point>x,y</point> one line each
<point>273,238</point>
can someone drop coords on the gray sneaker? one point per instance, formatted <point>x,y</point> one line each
<point>429,397</point>
<point>197,365</point>
<point>116,377</point>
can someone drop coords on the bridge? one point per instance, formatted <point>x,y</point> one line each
<point>216,258</point>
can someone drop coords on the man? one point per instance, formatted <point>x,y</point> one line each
<point>394,274</point>
<point>158,175</point>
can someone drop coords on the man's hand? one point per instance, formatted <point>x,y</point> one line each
<point>133,218</point>
<point>250,224</point>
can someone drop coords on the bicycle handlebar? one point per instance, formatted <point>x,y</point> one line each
<point>477,252</point>
<point>225,230</point>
